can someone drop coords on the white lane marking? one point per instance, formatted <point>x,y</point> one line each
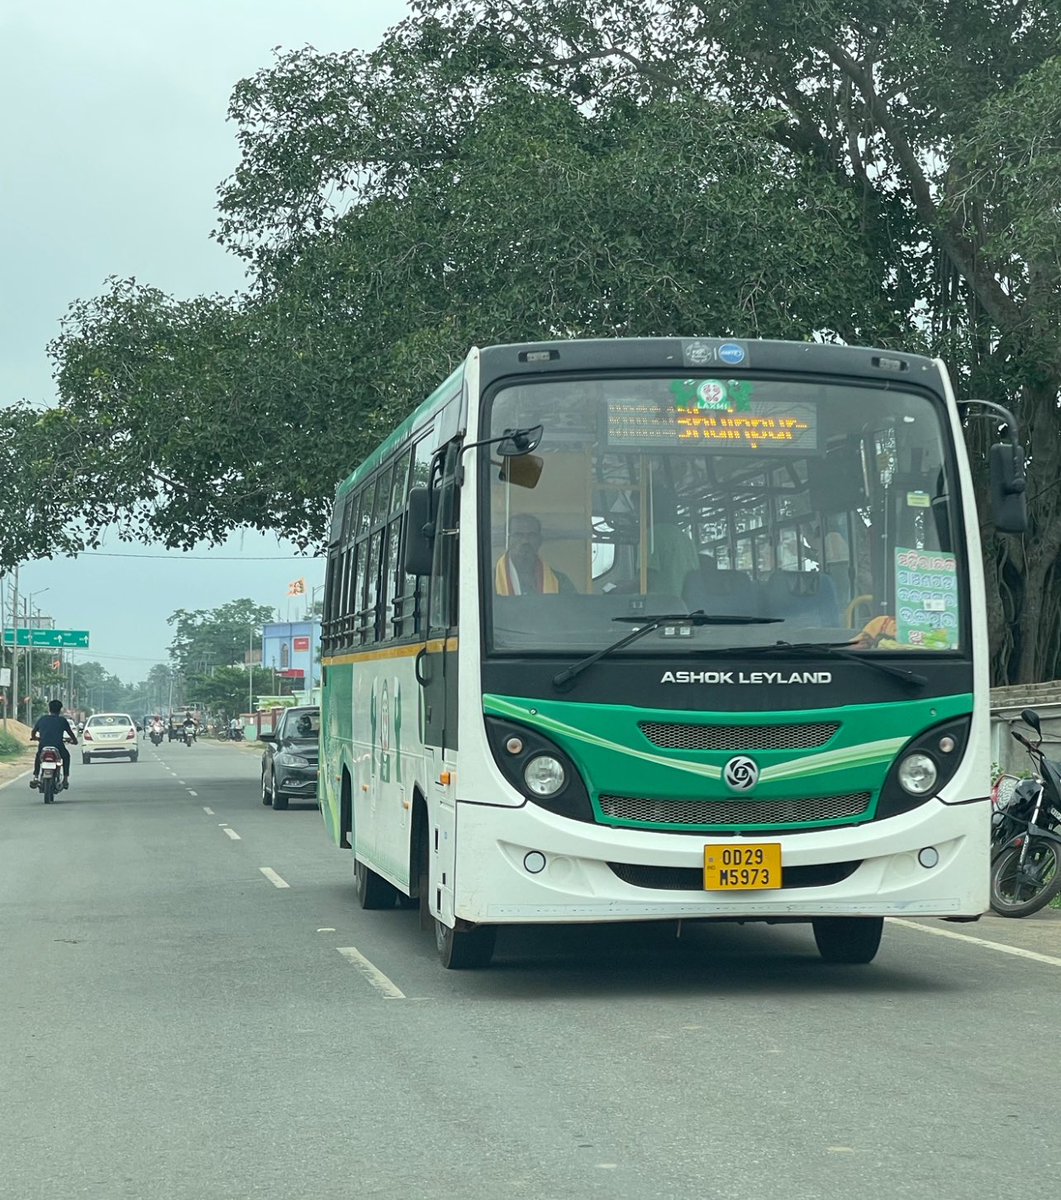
<point>273,878</point>
<point>208,811</point>
<point>386,987</point>
<point>13,779</point>
<point>191,793</point>
<point>327,929</point>
<point>233,834</point>
<point>182,783</point>
<point>1016,951</point>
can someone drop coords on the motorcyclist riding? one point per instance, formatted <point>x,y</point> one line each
<point>52,730</point>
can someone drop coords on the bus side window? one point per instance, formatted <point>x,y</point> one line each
<point>356,600</point>
<point>332,580</point>
<point>393,580</point>
<point>369,621</point>
<point>443,614</point>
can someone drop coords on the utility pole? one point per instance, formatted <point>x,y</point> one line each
<point>27,609</point>
<point>14,647</point>
<point>250,671</point>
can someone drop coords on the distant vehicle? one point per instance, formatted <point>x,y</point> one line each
<point>110,735</point>
<point>289,764</point>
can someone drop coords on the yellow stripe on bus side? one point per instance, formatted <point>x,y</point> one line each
<point>437,646</point>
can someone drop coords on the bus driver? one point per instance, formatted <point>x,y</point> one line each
<point>520,570</point>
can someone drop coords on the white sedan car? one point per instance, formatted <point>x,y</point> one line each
<point>109,735</point>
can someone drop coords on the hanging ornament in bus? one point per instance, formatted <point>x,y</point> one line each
<point>712,395</point>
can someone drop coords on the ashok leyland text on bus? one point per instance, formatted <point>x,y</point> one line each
<point>659,629</point>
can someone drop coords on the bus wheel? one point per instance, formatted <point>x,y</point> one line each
<point>848,939</point>
<point>372,890</point>
<point>465,949</point>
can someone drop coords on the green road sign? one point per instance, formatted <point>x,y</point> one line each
<point>52,639</point>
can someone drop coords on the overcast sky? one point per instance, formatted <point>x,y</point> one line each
<point>113,141</point>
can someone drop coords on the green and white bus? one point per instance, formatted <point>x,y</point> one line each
<point>665,629</point>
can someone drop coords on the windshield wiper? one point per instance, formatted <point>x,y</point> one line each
<point>654,621</point>
<point>828,650</point>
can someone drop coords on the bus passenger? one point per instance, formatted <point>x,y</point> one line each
<point>520,570</point>
<point>674,553</point>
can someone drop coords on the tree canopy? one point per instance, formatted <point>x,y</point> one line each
<point>514,169</point>
<point>219,637</point>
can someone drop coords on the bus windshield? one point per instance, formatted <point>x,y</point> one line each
<point>823,505</point>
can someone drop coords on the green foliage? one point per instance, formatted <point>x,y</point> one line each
<point>226,691</point>
<point>10,746</point>
<point>881,173</point>
<point>210,638</point>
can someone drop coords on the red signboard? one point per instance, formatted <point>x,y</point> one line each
<point>294,673</point>
<point>301,644</point>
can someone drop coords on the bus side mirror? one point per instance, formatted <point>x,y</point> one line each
<point>419,533</point>
<point>1009,498</point>
<point>523,470</point>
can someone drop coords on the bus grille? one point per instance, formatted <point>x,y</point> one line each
<point>691,879</point>
<point>670,735</point>
<point>745,813</point>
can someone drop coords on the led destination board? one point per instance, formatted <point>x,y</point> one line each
<point>764,425</point>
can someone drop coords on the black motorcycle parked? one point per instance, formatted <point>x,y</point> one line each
<point>1026,835</point>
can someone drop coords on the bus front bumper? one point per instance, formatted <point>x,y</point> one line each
<point>528,866</point>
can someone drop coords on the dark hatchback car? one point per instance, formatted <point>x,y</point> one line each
<point>289,764</point>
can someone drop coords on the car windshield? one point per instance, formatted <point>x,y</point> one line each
<point>824,506</point>
<point>109,722</point>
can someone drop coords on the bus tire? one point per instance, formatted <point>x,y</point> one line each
<point>848,939</point>
<point>465,949</point>
<point>373,891</point>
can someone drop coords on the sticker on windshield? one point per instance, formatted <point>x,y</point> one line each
<point>712,395</point>
<point>926,594</point>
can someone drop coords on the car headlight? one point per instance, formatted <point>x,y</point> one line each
<point>917,774</point>
<point>292,760</point>
<point>544,775</point>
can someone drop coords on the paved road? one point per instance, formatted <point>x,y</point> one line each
<point>173,1024</point>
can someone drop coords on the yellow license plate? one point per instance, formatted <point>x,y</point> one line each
<point>751,866</point>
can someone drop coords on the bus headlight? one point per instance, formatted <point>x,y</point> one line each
<point>544,775</point>
<point>917,774</point>
<point>540,770</point>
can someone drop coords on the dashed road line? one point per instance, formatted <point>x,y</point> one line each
<point>191,793</point>
<point>273,878</point>
<point>1016,951</point>
<point>232,834</point>
<point>208,811</point>
<point>386,987</point>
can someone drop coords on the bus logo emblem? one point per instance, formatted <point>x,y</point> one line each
<point>741,774</point>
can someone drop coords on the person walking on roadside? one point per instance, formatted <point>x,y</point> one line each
<point>52,729</point>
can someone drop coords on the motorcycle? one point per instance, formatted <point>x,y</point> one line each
<point>51,770</point>
<point>1026,833</point>
<point>188,733</point>
<point>156,735</point>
